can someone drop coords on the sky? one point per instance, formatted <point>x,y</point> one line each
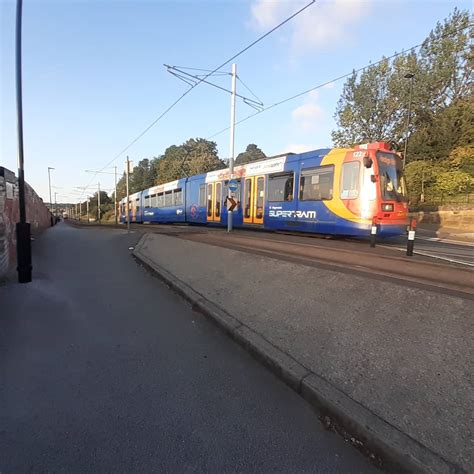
<point>93,76</point>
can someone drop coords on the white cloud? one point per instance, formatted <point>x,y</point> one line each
<point>326,23</point>
<point>314,94</point>
<point>329,85</point>
<point>307,116</point>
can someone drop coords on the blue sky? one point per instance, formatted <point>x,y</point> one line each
<point>94,76</point>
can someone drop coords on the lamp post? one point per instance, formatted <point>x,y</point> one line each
<point>23,229</point>
<point>409,76</point>
<point>49,182</point>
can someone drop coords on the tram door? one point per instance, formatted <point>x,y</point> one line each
<point>214,202</point>
<point>254,199</point>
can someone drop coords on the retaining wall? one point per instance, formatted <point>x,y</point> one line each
<point>37,214</point>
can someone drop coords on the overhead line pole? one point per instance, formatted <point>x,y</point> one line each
<point>232,143</point>
<point>127,172</point>
<point>23,230</point>
<point>115,196</point>
<point>98,201</point>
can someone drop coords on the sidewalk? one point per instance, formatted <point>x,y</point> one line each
<point>389,363</point>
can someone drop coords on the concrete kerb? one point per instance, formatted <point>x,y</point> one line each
<point>365,429</point>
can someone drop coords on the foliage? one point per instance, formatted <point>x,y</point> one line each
<point>374,104</point>
<point>194,156</point>
<point>446,178</point>
<point>251,153</point>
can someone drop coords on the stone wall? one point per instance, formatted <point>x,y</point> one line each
<point>37,214</point>
<point>461,219</point>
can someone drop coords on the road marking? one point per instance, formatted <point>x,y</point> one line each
<point>447,241</point>
<point>426,254</point>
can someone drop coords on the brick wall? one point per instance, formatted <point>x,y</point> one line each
<point>37,215</point>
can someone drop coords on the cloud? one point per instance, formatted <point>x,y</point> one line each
<point>329,85</point>
<point>306,117</point>
<point>326,23</point>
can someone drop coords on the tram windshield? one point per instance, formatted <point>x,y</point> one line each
<point>392,181</point>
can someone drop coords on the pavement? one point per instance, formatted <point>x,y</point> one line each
<point>104,369</point>
<point>390,361</point>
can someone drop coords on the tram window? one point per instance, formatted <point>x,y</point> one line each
<point>153,200</point>
<point>178,197</point>
<point>147,202</point>
<point>137,204</point>
<point>350,180</point>
<point>248,198</point>
<point>217,210</point>
<point>209,200</point>
<point>316,184</point>
<point>202,195</point>
<point>280,187</point>
<point>160,200</point>
<point>168,198</point>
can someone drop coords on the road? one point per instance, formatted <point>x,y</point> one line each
<point>452,250</point>
<point>104,369</point>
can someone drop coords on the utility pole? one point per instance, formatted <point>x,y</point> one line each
<point>127,172</point>
<point>115,196</point>
<point>23,230</point>
<point>232,140</point>
<point>98,201</point>
<point>49,182</point>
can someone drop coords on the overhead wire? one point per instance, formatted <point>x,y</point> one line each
<point>336,79</point>
<point>185,93</point>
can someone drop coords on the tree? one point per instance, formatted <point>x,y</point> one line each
<point>373,105</point>
<point>251,153</point>
<point>195,156</point>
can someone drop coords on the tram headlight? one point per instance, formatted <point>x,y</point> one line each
<point>387,207</point>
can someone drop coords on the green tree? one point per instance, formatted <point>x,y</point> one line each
<point>251,153</point>
<point>373,105</point>
<point>194,156</point>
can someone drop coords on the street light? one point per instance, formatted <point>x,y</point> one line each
<point>409,76</point>
<point>49,181</point>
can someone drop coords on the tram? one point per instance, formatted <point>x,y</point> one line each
<point>339,191</point>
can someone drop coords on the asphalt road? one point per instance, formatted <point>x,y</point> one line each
<point>451,250</point>
<point>104,369</point>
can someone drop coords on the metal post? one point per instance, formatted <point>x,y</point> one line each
<point>411,237</point>
<point>373,232</point>
<point>115,196</point>
<point>128,195</point>
<point>408,76</point>
<point>98,201</point>
<point>232,142</point>
<point>49,182</point>
<point>23,231</point>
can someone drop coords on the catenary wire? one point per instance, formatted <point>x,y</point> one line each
<point>185,93</point>
<point>336,79</point>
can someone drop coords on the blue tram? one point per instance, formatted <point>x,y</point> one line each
<point>328,191</point>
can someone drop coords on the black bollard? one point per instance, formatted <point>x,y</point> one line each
<point>411,238</point>
<point>373,234</point>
